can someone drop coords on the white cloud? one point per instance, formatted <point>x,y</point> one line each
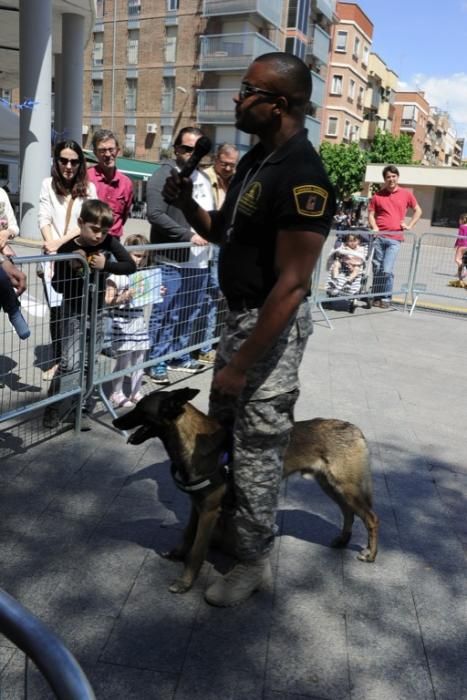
<point>448,93</point>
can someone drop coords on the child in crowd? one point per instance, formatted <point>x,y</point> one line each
<point>346,264</point>
<point>128,295</point>
<point>461,246</point>
<point>104,254</point>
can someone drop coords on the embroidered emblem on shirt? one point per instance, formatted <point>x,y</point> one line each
<point>249,199</point>
<point>310,200</point>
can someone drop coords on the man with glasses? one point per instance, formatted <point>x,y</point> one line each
<point>174,323</point>
<point>113,187</point>
<point>271,228</point>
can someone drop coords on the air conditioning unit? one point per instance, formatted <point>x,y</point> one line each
<point>85,130</point>
<point>151,128</point>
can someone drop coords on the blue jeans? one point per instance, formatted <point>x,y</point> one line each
<point>384,258</point>
<point>210,309</point>
<point>172,323</point>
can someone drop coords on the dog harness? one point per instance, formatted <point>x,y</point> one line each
<point>209,481</point>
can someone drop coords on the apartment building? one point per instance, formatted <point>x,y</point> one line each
<point>379,100</point>
<point>411,117</point>
<point>155,66</point>
<point>343,118</point>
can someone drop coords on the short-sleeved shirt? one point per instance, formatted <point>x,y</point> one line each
<point>390,209</point>
<point>117,193</point>
<point>288,190</point>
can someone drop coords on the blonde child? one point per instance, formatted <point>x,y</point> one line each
<point>130,339</point>
<point>461,245</point>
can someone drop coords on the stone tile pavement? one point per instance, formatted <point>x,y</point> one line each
<point>84,519</point>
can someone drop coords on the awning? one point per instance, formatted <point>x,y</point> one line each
<point>135,169</point>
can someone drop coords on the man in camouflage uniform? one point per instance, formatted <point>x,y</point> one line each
<point>271,228</point>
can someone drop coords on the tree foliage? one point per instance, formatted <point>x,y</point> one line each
<point>386,148</point>
<point>345,165</point>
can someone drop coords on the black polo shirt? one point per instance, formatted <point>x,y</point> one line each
<point>289,190</point>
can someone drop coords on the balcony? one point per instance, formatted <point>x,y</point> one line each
<point>317,93</point>
<point>268,10</point>
<point>319,44</point>
<point>224,52</point>
<point>409,125</point>
<point>314,130</point>
<point>326,7</point>
<point>216,106</point>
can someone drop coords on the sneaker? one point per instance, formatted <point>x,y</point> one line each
<point>207,358</point>
<point>51,418</point>
<point>119,400</point>
<point>187,366</point>
<point>158,374</point>
<point>240,583</point>
<point>136,397</point>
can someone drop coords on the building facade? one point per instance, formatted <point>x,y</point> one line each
<point>379,100</point>
<point>347,79</point>
<point>155,66</point>
<point>412,117</point>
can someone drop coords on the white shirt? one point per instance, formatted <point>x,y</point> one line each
<point>6,212</point>
<point>53,206</point>
<point>203,195</point>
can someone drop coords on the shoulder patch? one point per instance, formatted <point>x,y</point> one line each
<point>310,200</point>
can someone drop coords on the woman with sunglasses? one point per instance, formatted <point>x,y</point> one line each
<point>61,198</point>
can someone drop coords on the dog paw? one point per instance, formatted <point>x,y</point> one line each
<point>174,554</point>
<point>179,586</point>
<point>365,555</point>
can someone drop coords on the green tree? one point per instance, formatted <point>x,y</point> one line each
<point>345,165</point>
<point>387,148</point>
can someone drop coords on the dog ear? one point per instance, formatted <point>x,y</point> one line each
<point>174,402</point>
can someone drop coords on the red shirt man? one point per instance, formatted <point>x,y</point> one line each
<point>388,207</point>
<point>113,187</point>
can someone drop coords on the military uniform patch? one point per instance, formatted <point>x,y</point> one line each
<point>310,200</point>
<point>249,200</point>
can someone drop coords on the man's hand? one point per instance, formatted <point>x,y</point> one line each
<point>17,277</point>
<point>229,380</point>
<point>196,239</point>
<point>177,190</point>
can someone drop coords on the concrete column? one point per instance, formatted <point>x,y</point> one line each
<point>58,92</point>
<point>35,75</point>
<point>72,76</point>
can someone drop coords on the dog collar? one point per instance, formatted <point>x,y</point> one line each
<point>216,478</point>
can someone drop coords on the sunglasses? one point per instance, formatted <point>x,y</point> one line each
<point>248,90</point>
<point>185,149</point>
<point>72,161</point>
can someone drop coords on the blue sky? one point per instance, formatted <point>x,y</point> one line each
<point>425,43</point>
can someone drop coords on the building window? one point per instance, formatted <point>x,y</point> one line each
<point>356,47</point>
<point>332,126</point>
<point>100,9</point>
<point>98,49</point>
<point>5,96</point>
<point>355,133</point>
<point>341,42</point>
<point>361,93</point>
<point>131,94</point>
<point>170,48</point>
<point>134,8</point>
<point>132,46</point>
<point>130,140</point>
<point>96,96</point>
<point>336,85</point>
<point>347,130</point>
<point>168,95</point>
<point>366,55</point>
<point>166,137</point>
<point>351,89</point>
<point>298,15</point>
<point>172,5</point>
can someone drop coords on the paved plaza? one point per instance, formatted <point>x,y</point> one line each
<point>84,519</point>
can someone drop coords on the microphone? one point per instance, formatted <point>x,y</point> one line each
<point>202,148</point>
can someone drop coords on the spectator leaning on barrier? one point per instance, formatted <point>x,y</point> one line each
<point>386,215</point>
<point>113,187</point>
<point>104,254</point>
<point>12,284</point>
<point>271,229</point>
<point>185,273</point>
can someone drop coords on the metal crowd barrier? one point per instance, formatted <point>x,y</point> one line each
<point>54,661</point>
<point>423,272</point>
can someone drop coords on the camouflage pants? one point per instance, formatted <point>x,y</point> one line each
<point>260,419</point>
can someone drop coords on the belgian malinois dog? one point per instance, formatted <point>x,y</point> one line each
<point>333,451</point>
